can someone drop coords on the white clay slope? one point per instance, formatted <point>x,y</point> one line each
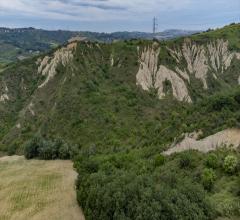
<point>213,58</point>
<point>48,65</point>
<point>229,137</point>
<point>150,75</point>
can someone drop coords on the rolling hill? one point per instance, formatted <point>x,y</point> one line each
<point>21,43</point>
<point>121,105</point>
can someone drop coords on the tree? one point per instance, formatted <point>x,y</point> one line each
<point>47,149</point>
<point>12,149</point>
<point>185,160</point>
<point>230,164</point>
<point>31,148</point>
<point>212,161</point>
<point>64,152</point>
<point>208,178</point>
<point>159,160</point>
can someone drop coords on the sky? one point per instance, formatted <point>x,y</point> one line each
<point>118,15</point>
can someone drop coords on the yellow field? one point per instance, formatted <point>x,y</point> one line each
<point>37,190</point>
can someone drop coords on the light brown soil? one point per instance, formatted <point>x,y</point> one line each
<point>37,190</point>
<point>228,137</point>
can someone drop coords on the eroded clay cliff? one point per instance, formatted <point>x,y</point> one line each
<point>48,65</point>
<point>228,137</point>
<point>151,75</point>
<point>199,60</point>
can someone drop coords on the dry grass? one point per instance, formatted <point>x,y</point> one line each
<point>37,190</point>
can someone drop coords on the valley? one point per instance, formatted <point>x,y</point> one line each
<point>20,43</point>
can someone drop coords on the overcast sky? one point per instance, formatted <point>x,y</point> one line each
<point>118,15</point>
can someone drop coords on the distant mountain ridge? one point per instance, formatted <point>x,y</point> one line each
<point>19,43</point>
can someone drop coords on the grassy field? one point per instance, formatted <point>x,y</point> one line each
<point>37,190</point>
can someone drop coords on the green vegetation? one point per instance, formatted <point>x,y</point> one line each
<point>128,185</point>
<point>121,132</point>
<point>212,161</point>
<point>230,33</point>
<point>208,178</point>
<point>230,164</point>
<point>18,44</point>
<point>139,183</point>
<point>48,150</point>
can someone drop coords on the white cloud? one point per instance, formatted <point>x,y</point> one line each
<point>91,9</point>
<point>114,15</point>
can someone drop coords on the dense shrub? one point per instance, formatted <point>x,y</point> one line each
<point>127,187</point>
<point>12,149</point>
<point>65,151</point>
<point>159,160</point>
<point>222,102</point>
<point>47,150</point>
<point>230,164</point>
<point>31,148</point>
<point>186,160</point>
<point>127,196</point>
<point>212,161</point>
<point>208,178</point>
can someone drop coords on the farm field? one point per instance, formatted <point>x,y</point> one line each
<point>37,190</point>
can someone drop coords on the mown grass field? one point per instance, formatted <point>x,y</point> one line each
<point>37,190</point>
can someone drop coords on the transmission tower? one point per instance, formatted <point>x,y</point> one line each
<point>155,25</point>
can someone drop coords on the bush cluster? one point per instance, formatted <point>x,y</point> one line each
<point>40,148</point>
<point>128,186</point>
<point>230,164</point>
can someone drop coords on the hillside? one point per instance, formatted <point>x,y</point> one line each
<point>21,43</point>
<point>84,76</point>
<point>123,104</point>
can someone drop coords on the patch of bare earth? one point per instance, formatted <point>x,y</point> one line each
<point>37,190</point>
<point>228,137</point>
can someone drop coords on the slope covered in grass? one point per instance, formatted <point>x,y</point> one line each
<point>37,190</point>
<point>119,105</point>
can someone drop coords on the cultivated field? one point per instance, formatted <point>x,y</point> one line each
<point>37,190</point>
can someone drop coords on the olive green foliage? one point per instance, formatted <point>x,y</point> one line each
<point>100,104</point>
<point>230,164</point>
<point>186,161</point>
<point>229,33</point>
<point>121,185</point>
<point>12,149</point>
<point>118,168</point>
<point>212,161</point>
<point>27,42</point>
<point>159,160</point>
<point>40,148</point>
<point>121,131</point>
<point>208,178</point>
<point>129,186</point>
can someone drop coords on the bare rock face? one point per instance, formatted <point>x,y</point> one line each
<point>220,55</point>
<point>48,65</point>
<point>229,137</point>
<point>151,75</point>
<point>183,74</point>
<point>4,97</point>
<point>213,58</point>
<point>180,91</point>
<point>197,62</point>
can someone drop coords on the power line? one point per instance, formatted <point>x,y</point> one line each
<point>155,25</point>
